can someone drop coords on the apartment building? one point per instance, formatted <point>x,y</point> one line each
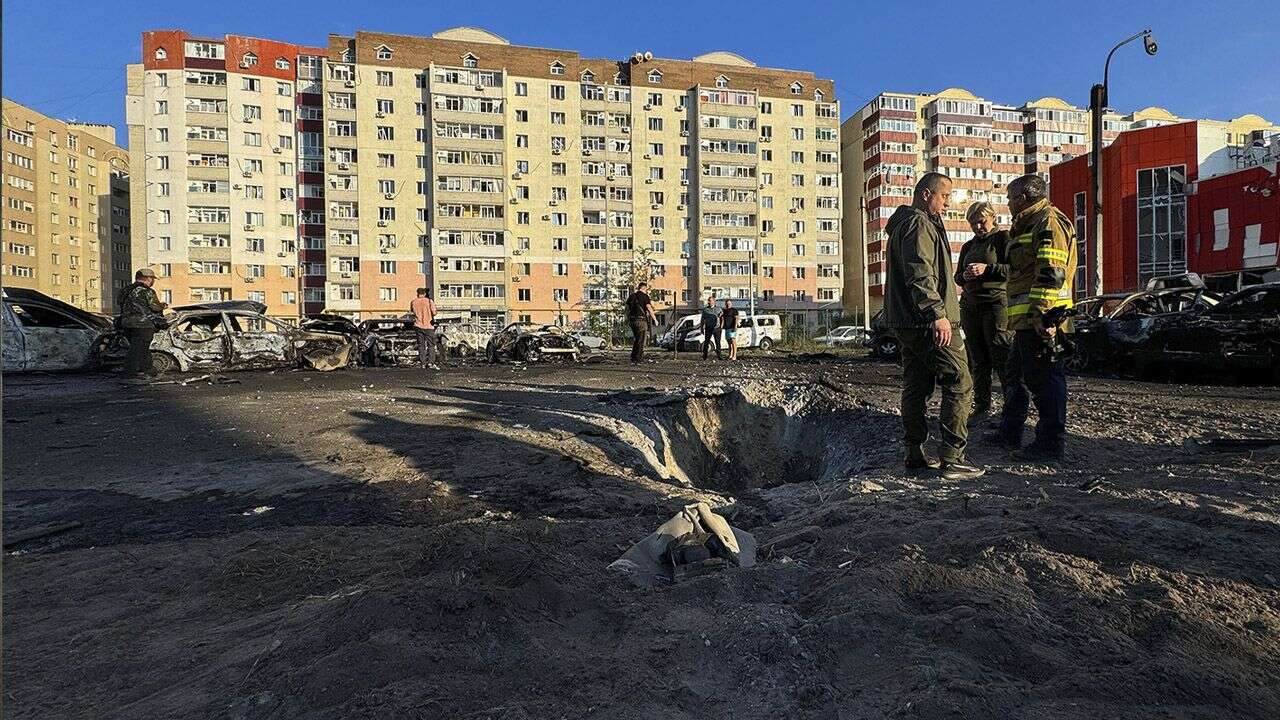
<point>66,208</point>
<point>982,146</point>
<point>520,183</point>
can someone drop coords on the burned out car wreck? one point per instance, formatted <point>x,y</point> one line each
<point>1184,330</point>
<point>237,335</point>
<point>524,342</point>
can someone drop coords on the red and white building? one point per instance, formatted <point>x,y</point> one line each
<point>1182,197</point>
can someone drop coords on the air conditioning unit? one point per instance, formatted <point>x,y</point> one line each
<point>248,119</point>
<point>385,250</point>
<point>546,217</point>
<point>342,166</point>
<point>680,207</point>
<point>382,223</point>
<point>275,150</point>
<point>791,235</point>
<point>247,174</point>
<point>516,176</point>
<point>553,203</point>
<point>515,201</point>
<point>237,187</point>
<point>1057,148</point>
<point>657,206</point>
<point>248,227</point>
<point>647,156</point>
<point>766,138</point>
<point>793,211</point>
<point>517,252</point>
<point>586,152</point>
<point>684,256</point>
<point>647,106</point>
<point>555,151</point>
<point>610,178</point>
<point>657,231</point>
<point>679,108</point>
<point>626,130</point>
<point>684,133</point>
<point>684,183</point>
<point>280,254</point>
<point>249,279</point>
<point>345,275</point>
<point>648,181</point>
<point>349,83</point>
<point>515,279</point>
<point>379,115</point>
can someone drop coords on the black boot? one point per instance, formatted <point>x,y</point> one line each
<point>917,459</point>
<point>961,470</point>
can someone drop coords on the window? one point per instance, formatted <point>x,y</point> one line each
<point>1081,226</point>
<point>251,84</point>
<point>655,76</point>
<point>524,295</point>
<point>557,69</point>
<point>1162,222</point>
<point>162,107</point>
<point>282,64</point>
<point>522,89</point>
<point>384,78</point>
<point>722,82</point>
<point>797,110</point>
<point>284,89</point>
<point>384,52</point>
<point>557,92</point>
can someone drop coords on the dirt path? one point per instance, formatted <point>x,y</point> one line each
<point>382,544</point>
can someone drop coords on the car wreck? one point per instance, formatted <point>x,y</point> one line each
<point>524,342</point>
<point>42,333</point>
<point>236,335</point>
<point>1184,329</point>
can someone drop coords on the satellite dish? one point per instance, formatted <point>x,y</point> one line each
<point>648,56</point>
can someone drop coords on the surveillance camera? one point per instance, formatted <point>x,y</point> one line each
<point>1150,44</point>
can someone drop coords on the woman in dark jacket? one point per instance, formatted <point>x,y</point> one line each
<point>981,271</point>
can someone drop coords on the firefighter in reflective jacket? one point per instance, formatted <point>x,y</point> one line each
<point>1042,265</point>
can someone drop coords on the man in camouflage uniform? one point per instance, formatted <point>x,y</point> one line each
<point>1042,265</point>
<point>138,308</point>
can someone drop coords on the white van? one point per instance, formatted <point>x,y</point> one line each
<point>762,331</point>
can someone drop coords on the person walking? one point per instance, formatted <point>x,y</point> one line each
<point>729,320</point>
<point>920,306</point>
<point>1042,266</point>
<point>639,314</point>
<point>140,312</point>
<point>424,324</point>
<point>711,327</point>
<point>981,270</point>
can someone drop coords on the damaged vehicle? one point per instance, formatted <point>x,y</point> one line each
<point>524,342</point>
<point>236,335</point>
<point>1239,334</point>
<point>392,341</point>
<point>461,339</point>
<point>42,333</point>
<point>1110,334</point>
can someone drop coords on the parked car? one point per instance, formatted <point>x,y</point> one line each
<point>882,341</point>
<point>762,331</point>
<point>1240,333</point>
<point>843,335</point>
<point>525,342</point>
<point>236,335</point>
<point>595,343</point>
<point>39,332</point>
<point>1110,332</point>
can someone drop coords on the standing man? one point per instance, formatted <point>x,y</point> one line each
<point>139,309</point>
<point>981,270</point>
<point>1042,265</point>
<point>729,319</point>
<point>711,327</point>
<point>424,324</point>
<point>920,305</point>
<point>639,315</point>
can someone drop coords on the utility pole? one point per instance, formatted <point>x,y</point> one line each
<point>1097,106</point>
<point>866,275</point>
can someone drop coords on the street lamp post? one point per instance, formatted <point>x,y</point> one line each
<point>1097,106</point>
<point>866,275</point>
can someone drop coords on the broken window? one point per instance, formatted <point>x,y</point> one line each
<point>37,316</point>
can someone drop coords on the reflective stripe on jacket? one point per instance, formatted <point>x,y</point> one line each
<point>1042,264</point>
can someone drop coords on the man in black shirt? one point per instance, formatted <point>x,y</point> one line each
<point>639,315</point>
<point>729,321</point>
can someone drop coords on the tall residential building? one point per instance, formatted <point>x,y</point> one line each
<point>520,183</point>
<point>982,146</point>
<point>66,208</point>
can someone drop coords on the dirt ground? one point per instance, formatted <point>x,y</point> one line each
<point>385,543</point>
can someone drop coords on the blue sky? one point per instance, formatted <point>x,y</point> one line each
<point>1216,59</point>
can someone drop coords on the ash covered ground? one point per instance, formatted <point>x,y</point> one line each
<point>389,543</point>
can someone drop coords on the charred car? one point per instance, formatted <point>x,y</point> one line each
<point>460,338</point>
<point>236,335</point>
<point>41,333</point>
<point>1113,331</point>
<point>1239,334</point>
<point>524,342</point>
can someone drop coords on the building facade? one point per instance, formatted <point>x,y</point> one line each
<point>1194,196</point>
<point>982,146</point>
<point>519,183</point>
<point>66,209</point>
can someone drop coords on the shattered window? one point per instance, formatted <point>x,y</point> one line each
<point>200,326</point>
<point>36,316</point>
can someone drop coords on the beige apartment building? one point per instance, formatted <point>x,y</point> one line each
<point>981,145</point>
<point>519,183</point>
<point>65,208</point>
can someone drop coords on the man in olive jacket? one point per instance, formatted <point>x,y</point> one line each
<point>920,306</point>
<point>138,308</point>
